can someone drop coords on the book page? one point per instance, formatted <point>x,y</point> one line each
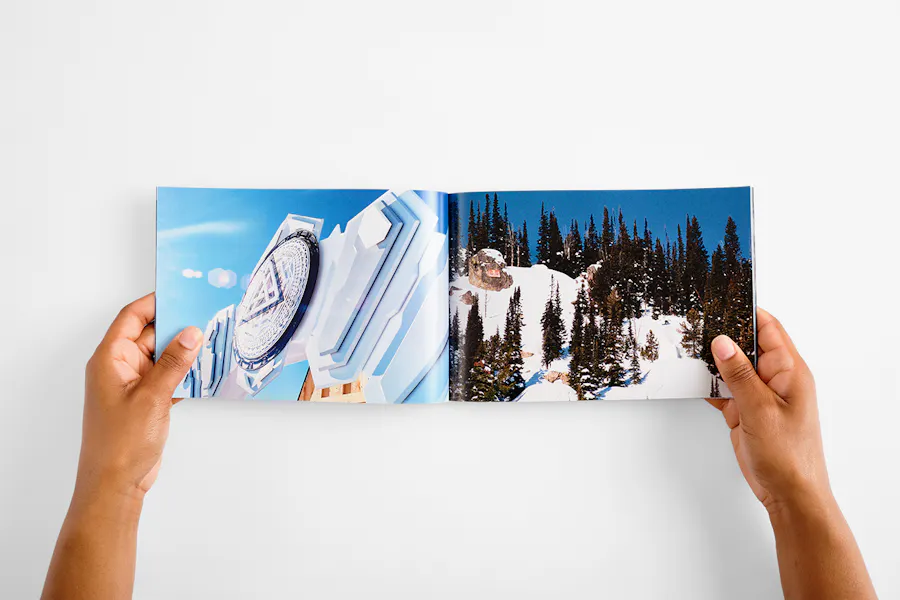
<point>310,295</point>
<point>597,295</point>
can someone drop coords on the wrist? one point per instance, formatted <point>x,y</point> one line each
<point>105,498</point>
<point>810,504</point>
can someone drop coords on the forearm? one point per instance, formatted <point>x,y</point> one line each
<point>817,554</point>
<point>95,554</point>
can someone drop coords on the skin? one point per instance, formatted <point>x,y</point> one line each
<point>773,421</point>
<point>126,422</point>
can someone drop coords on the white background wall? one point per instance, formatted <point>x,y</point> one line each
<point>101,101</point>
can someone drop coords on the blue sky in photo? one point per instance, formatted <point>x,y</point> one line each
<point>664,210</point>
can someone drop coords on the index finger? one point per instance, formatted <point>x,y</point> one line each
<point>132,319</point>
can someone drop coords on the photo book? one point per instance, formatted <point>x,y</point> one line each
<point>389,296</point>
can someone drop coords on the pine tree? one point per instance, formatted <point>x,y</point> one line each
<point>517,361</point>
<point>734,313</point>
<point>455,331</point>
<point>591,242</point>
<point>547,350</point>
<point>561,326</point>
<point>471,236</point>
<point>614,339</point>
<point>635,365</point>
<point>657,288</point>
<point>576,345</point>
<point>717,280</point>
<point>648,237</point>
<point>622,273</point>
<point>472,343</point>
<point>670,276</point>
<point>732,252</point>
<point>573,251</point>
<point>647,264</point>
<point>623,240</point>
<point>593,373</point>
<point>691,332</point>
<point>524,250</point>
<point>628,341</point>
<point>607,238</point>
<point>553,328</point>
<point>639,274</point>
<point>543,242</point>
<point>666,281</point>
<point>498,227</point>
<point>453,223</point>
<point>478,232</point>
<point>696,265</point>
<point>609,273</point>
<point>745,337</point>
<point>650,351</point>
<point>714,387</point>
<point>486,240</point>
<point>555,248</point>
<point>714,307</point>
<point>511,381</point>
<point>455,355</point>
<point>483,377</point>
<point>738,293</point>
<point>681,306</point>
<point>628,282</point>
<point>492,363</point>
<point>510,240</point>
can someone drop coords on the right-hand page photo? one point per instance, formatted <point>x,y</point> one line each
<point>597,295</point>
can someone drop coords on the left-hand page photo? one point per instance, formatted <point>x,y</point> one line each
<point>310,295</point>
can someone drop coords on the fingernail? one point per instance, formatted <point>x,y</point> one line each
<point>723,347</point>
<point>190,338</point>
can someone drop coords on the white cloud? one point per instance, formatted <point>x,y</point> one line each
<point>222,278</point>
<point>245,282</point>
<point>192,274</point>
<point>207,228</point>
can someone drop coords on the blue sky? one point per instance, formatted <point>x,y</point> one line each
<point>664,209</point>
<point>201,230</point>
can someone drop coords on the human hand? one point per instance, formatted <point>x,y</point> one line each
<point>773,417</point>
<point>127,401</point>
<point>126,421</point>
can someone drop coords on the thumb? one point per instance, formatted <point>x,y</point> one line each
<point>173,364</point>
<point>738,372</point>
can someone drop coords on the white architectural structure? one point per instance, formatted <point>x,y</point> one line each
<point>370,300</point>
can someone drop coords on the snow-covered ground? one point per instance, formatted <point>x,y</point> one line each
<point>544,391</point>
<point>673,375</point>
<point>535,284</point>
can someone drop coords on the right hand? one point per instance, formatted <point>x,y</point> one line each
<point>773,417</point>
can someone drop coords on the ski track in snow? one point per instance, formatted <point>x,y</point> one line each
<point>673,375</point>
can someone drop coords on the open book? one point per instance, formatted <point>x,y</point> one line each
<point>385,296</point>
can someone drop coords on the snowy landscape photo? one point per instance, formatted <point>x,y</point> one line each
<point>597,295</point>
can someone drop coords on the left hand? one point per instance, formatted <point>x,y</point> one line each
<point>127,400</point>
